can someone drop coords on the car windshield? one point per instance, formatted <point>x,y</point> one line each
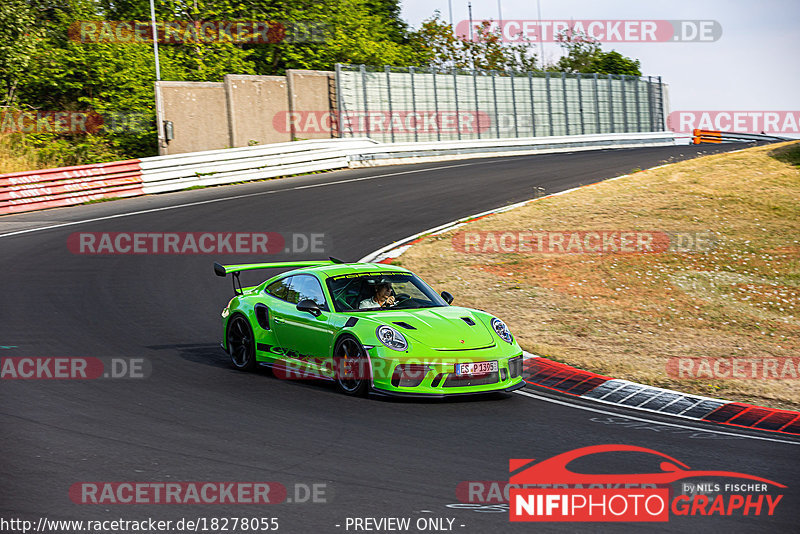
<point>381,291</point>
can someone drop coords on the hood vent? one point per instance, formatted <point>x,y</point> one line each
<point>404,325</point>
<point>468,321</point>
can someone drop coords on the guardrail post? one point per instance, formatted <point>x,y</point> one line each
<point>514,103</point>
<point>364,88</point>
<point>661,104</point>
<point>389,94</point>
<point>638,105</point>
<point>496,111</point>
<point>530,93</point>
<point>596,104</point>
<point>339,101</point>
<point>455,95</point>
<point>477,107</point>
<point>611,103</point>
<point>436,105</point>
<point>549,103</point>
<point>624,104</point>
<point>414,104</point>
<point>580,103</point>
<point>650,103</point>
<point>566,107</point>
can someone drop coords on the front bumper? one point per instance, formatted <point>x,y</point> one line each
<point>412,394</point>
<point>432,373</point>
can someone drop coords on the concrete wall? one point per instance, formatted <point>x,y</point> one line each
<point>253,101</point>
<point>244,110</point>
<point>312,91</point>
<point>198,111</point>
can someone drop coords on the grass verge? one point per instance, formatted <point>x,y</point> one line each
<point>627,315</point>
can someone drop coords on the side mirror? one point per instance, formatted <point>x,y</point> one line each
<point>308,305</point>
<point>448,298</point>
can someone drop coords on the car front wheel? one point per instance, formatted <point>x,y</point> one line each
<point>351,366</point>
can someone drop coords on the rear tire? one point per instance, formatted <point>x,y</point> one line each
<point>351,367</point>
<point>241,343</point>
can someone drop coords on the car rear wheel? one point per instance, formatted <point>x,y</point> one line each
<point>351,366</point>
<point>241,344</point>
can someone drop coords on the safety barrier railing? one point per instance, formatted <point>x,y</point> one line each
<point>66,186</point>
<point>713,136</point>
<point>27,191</point>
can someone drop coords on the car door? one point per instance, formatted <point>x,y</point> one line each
<point>304,337</point>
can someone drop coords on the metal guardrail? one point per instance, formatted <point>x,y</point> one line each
<point>27,191</point>
<point>217,167</point>
<point>66,186</point>
<point>387,154</point>
<point>713,136</point>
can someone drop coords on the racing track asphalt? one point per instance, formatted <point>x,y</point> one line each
<point>196,419</point>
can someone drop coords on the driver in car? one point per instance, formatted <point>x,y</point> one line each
<point>383,297</point>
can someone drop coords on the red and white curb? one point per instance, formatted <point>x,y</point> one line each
<point>544,373</point>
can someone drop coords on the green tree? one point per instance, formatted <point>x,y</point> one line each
<point>435,44</point>
<point>584,54</point>
<point>389,12</point>
<point>615,63</point>
<point>43,68</point>
<point>350,31</point>
<point>19,36</point>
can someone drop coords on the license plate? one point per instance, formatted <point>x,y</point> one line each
<point>476,368</point>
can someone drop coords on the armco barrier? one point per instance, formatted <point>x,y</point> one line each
<point>65,186</point>
<point>387,154</point>
<point>27,191</point>
<point>713,136</point>
<point>217,167</point>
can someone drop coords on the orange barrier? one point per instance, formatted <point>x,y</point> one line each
<point>706,136</point>
<point>712,136</point>
<point>65,186</point>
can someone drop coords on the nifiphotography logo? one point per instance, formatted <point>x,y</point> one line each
<point>549,491</point>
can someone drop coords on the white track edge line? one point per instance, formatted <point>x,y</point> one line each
<point>235,197</point>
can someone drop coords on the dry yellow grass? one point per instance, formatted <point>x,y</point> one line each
<point>14,160</point>
<point>17,156</point>
<point>626,315</point>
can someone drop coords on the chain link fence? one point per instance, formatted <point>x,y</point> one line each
<point>424,104</point>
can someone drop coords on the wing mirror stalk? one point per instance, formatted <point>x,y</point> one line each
<point>308,305</point>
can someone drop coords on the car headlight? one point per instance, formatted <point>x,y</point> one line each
<point>502,330</point>
<point>392,338</point>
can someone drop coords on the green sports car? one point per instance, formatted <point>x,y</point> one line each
<point>368,327</point>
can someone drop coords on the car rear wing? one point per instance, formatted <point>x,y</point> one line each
<point>234,270</point>
<point>223,270</point>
